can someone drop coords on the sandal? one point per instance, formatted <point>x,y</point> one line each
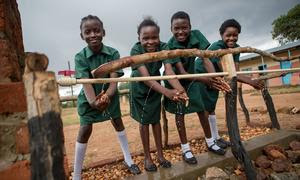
<point>134,169</point>
<point>191,160</point>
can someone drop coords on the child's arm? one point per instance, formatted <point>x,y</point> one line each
<point>212,82</point>
<point>170,93</point>
<point>90,94</point>
<point>173,82</point>
<point>257,84</point>
<point>112,88</point>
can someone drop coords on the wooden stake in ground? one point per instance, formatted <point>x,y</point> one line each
<point>237,147</point>
<point>242,103</point>
<point>44,121</point>
<point>270,107</point>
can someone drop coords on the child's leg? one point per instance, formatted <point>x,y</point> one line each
<point>156,128</point>
<point>213,125</point>
<point>211,143</point>
<point>185,147</point>
<point>119,127</point>
<point>144,132</point>
<point>214,130</point>
<point>80,148</point>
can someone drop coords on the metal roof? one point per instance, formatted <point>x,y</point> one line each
<point>272,50</point>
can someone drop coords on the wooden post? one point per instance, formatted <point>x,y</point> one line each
<point>165,126</point>
<point>270,107</point>
<point>237,147</point>
<point>242,103</point>
<point>44,121</point>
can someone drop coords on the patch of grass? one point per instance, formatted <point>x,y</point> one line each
<point>69,116</point>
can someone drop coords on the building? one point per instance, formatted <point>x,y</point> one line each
<point>256,62</point>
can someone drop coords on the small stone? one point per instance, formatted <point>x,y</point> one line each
<point>295,110</point>
<point>263,162</point>
<point>274,152</point>
<point>280,165</point>
<point>261,174</point>
<point>294,156</point>
<point>215,173</point>
<point>295,145</point>
<point>287,175</point>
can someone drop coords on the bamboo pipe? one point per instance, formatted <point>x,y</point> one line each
<point>74,81</point>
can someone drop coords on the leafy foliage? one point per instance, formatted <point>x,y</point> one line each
<point>286,28</point>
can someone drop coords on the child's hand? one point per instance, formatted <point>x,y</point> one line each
<point>102,101</point>
<point>219,83</point>
<point>177,96</point>
<point>257,84</point>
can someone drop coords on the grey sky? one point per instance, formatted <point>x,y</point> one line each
<point>52,27</point>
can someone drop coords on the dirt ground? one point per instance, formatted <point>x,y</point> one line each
<point>103,144</point>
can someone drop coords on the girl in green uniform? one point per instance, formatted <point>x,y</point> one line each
<point>97,102</point>
<point>145,97</point>
<point>229,32</point>
<point>185,38</point>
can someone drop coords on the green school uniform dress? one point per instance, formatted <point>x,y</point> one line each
<point>86,61</point>
<point>210,96</point>
<point>196,40</point>
<point>145,103</point>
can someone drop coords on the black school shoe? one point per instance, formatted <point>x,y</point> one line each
<point>222,143</point>
<point>191,160</point>
<point>220,151</point>
<point>165,164</point>
<point>134,169</point>
<point>151,168</point>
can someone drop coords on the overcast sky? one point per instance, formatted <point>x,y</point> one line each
<point>52,26</point>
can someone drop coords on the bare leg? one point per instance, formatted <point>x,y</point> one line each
<point>203,118</point>
<point>144,132</point>
<point>181,128</point>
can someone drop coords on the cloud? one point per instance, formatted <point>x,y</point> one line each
<point>52,27</point>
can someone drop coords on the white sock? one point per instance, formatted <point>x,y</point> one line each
<point>211,143</point>
<point>213,126</point>
<point>80,149</point>
<point>185,148</point>
<point>125,148</point>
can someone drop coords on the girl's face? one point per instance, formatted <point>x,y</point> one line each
<point>230,36</point>
<point>181,29</point>
<point>92,33</point>
<point>149,38</point>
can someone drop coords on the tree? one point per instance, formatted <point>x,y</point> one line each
<point>286,28</point>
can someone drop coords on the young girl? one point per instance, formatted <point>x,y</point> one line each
<point>229,32</point>
<point>145,97</point>
<point>185,38</point>
<point>97,102</point>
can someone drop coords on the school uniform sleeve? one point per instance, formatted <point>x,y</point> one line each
<point>236,57</point>
<point>115,56</point>
<point>164,46</point>
<point>136,51</point>
<point>82,68</point>
<point>204,43</point>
